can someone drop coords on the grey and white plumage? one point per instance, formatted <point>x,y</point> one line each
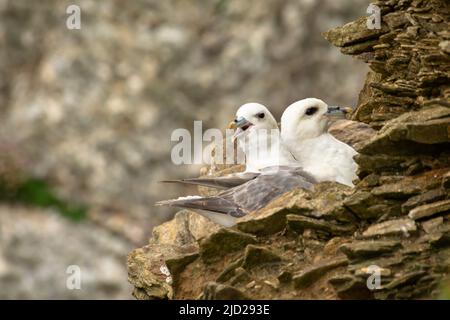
<point>228,205</point>
<point>258,136</point>
<point>304,126</point>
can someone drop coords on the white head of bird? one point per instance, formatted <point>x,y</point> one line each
<point>258,136</point>
<point>305,119</point>
<point>304,129</point>
<point>252,117</point>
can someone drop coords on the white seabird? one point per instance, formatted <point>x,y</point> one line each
<point>258,136</point>
<point>304,127</point>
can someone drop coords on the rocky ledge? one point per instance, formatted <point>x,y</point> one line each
<point>332,242</point>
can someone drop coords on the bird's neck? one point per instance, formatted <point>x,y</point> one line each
<point>261,139</point>
<point>301,137</point>
<point>263,150</point>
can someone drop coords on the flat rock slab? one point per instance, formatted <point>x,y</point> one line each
<point>353,33</point>
<point>257,256</point>
<point>433,224</point>
<point>350,287</point>
<point>187,227</point>
<point>306,277</point>
<point>368,248</point>
<point>391,227</point>
<point>271,219</point>
<point>300,223</point>
<point>217,291</point>
<point>424,198</point>
<point>409,186</point>
<point>427,126</point>
<point>428,210</point>
<point>405,279</point>
<point>148,272</point>
<point>223,242</point>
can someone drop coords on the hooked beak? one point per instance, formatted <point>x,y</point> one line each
<point>335,112</point>
<point>241,124</point>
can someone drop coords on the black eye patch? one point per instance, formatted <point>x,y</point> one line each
<point>261,115</point>
<point>310,111</point>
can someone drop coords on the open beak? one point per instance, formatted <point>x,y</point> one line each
<point>336,113</point>
<point>241,124</point>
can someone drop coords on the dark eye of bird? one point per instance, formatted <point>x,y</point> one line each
<point>311,111</point>
<point>261,115</point>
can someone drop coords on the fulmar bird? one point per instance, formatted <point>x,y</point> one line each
<point>258,136</point>
<point>304,126</point>
<point>228,205</point>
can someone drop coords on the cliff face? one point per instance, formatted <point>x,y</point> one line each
<point>333,242</point>
<point>86,117</point>
<point>93,110</point>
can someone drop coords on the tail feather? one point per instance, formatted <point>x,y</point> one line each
<point>211,204</point>
<point>176,202</point>
<point>206,182</point>
<point>217,182</point>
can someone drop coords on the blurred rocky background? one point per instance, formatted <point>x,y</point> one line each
<point>86,117</point>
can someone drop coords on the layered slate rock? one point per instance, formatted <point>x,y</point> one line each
<point>331,242</point>
<point>408,57</point>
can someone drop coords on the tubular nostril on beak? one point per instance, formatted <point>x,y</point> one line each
<point>336,112</point>
<point>332,109</point>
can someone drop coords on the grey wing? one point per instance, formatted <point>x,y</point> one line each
<point>289,171</point>
<point>258,192</point>
<point>250,196</point>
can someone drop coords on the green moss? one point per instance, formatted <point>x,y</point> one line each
<point>37,192</point>
<point>221,6</point>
